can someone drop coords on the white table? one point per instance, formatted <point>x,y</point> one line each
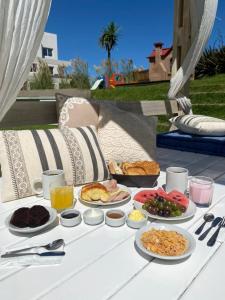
<point>102,263</point>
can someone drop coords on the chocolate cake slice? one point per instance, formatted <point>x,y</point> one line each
<point>21,217</point>
<point>38,216</point>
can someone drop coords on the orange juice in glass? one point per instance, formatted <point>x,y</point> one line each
<point>61,197</point>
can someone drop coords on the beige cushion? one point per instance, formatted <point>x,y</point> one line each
<point>200,125</point>
<point>78,112</point>
<point>125,136</point>
<point>61,98</point>
<point>25,154</point>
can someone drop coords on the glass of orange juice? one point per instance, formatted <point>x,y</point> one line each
<point>61,197</point>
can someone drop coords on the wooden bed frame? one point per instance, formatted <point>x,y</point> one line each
<point>39,107</point>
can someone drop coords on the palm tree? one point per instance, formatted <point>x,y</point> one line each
<point>108,40</point>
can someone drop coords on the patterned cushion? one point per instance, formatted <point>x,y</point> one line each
<point>199,125</point>
<point>125,136</point>
<point>78,112</point>
<point>25,154</point>
<point>61,98</point>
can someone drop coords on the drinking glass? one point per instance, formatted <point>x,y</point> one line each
<point>61,197</point>
<point>201,190</point>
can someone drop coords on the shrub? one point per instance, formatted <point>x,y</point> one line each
<point>79,75</point>
<point>42,79</point>
<point>64,78</point>
<point>212,62</point>
<point>127,69</point>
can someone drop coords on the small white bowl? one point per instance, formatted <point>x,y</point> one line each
<point>115,222</point>
<point>93,216</point>
<point>70,221</point>
<point>136,224</point>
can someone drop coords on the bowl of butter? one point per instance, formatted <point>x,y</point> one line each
<point>136,219</point>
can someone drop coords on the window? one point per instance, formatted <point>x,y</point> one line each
<point>46,52</point>
<point>33,68</point>
<point>51,70</point>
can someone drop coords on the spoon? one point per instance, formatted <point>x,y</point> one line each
<point>215,222</point>
<point>51,246</point>
<point>207,218</point>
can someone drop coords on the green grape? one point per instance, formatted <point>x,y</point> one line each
<point>174,206</point>
<point>173,214</point>
<point>154,202</point>
<point>160,205</point>
<point>178,212</point>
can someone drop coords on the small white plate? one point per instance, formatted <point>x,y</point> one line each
<point>52,213</point>
<point>100,203</point>
<point>185,233</point>
<point>191,210</point>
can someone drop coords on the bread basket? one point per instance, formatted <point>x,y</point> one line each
<point>143,179</point>
<point>136,180</point>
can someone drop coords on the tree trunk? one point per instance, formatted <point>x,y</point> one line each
<point>109,63</point>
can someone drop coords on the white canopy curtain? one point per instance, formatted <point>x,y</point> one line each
<point>203,14</point>
<point>22,24</point>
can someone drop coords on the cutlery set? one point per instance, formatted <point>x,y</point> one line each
<point>218,221</point>
<point>50,247</point>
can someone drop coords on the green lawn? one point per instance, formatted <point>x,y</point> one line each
<point>207,96</point>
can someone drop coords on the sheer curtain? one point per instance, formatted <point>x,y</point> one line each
<point>22,24</point>
<point>203,14</point>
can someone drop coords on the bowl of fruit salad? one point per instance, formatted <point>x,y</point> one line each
<point>158,204</point>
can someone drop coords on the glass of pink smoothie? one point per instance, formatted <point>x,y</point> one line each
<point>201,190</point>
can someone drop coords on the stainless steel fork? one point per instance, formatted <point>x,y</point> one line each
<point>213,238</point>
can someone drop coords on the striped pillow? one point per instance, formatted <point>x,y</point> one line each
<point>199,125</point>
<point>25,154</point>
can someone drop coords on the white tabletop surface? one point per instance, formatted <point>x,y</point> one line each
<point>102,263</point>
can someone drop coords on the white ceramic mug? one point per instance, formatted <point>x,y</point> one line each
<point>176,179</point>
<point>42,186</point>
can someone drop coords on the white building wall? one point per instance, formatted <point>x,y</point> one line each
<point>49,40</point>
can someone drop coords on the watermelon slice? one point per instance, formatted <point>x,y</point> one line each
<point>176,197</point>
<point>145,195</point>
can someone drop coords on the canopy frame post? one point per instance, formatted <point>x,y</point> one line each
<point>181,37</point>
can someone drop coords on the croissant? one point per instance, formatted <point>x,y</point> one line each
<point>94,192</point>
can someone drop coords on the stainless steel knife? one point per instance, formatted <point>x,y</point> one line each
<point>52,253</point>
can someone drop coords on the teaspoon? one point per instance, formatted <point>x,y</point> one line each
<point>207,218</point>
<point>51,246</point>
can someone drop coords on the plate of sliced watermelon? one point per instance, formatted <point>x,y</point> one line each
<point>158,204</point>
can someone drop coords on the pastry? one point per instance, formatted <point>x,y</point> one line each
<point>134,168</point>
<point>109,191</point>
<point>140,168</point>
<point>33,217</point>
<point>94,192</point>
<point>135,171</point>
<point>114,168</point>
<point>38,216</point>
<point>21,217</point>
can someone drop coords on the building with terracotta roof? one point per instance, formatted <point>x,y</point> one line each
<point>160,61</point>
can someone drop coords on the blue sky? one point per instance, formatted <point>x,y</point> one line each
<point>78,24</point>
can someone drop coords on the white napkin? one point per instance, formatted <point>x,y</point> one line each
<point>30,260</point>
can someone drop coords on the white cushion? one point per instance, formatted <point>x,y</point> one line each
<point>199,125</point>
<point>25,154</point>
